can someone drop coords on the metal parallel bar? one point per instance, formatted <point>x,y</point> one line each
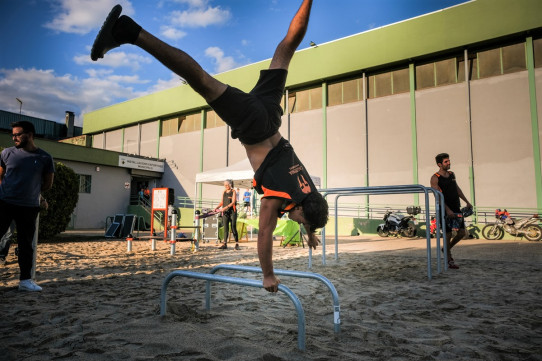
<point>240,282</point>
<point>282,272</point>
<point>389,190</point>
<point>396,189</point>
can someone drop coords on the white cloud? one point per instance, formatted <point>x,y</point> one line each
<point>222,63</point>
<point>193,3</point>
<point>200,17</point>
<point>48,95</point>
<point>172,82</point>
<point>82,16</point>
<point>172,33</point>
<point>115,59</point>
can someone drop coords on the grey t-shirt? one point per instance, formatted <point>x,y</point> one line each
<point>23,174</point>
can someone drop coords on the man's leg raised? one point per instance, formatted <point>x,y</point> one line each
<point>122,30</point>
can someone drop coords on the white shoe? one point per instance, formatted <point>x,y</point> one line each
<point>29,285</point>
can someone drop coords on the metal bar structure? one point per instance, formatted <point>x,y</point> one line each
<point>240,282</point>
<point>395,189</point>
<point>283,272</point>
<point>439,199</point>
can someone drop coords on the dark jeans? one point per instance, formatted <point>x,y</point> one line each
<point>227,218</point>
<point>25,220</point>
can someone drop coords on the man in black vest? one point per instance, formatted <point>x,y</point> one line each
<point>444,181</point>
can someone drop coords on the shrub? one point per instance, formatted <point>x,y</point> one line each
<point>62,199</point>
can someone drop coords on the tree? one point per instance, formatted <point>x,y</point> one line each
<point>62,199</point>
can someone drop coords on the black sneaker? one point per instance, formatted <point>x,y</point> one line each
<point>237,248</point>
<point>224,246</point>
<point>104,40</point>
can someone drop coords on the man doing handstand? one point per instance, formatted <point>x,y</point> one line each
<point>254,118</point>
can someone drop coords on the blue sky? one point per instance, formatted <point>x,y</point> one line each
<point>45,44</point>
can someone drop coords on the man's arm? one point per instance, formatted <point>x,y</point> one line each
<point>462,196</point>
<point>47,182</point>
<point>268,221</point>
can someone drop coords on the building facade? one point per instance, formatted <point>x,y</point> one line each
<point>375,108</point>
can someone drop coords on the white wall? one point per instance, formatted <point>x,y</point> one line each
<point>108,194</point>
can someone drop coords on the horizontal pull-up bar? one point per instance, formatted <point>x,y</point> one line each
<point>240,282</point>
<point>282,272</point>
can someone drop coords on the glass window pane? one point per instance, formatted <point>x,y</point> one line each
<point>537,45</point>
<point>316,98</point>
<point>351,91</point>
<point>98,141</point>
<point>371,86</point>
<point>334,94</point>
<point>489,63</point>
<point>513,58</point>
<point>383,84</point>
<point>85,183</point>
<point>292,102</point>
<point>425,76</point>
<point>401,81</point>
<point>445,70</point>
<point>302,101</point>
<point>113,140</point>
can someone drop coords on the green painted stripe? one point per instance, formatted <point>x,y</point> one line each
<point>413,129</point>
<point>534,123</point>
<point>324,140</point>
<point>201,139</point>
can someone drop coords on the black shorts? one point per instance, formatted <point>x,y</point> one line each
<point>254,116</point>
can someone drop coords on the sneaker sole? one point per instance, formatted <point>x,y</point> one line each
<point>104,40</point>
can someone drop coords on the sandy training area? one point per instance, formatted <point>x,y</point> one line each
<point>101,303</point>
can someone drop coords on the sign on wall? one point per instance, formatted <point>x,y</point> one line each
<point>140,163</point>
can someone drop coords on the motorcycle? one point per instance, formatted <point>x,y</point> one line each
<point>396,224</point>
<point>454,223</point>
<point>526,227</point>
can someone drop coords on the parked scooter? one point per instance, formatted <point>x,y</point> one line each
<point>396,224</point>
<point>526,227</point>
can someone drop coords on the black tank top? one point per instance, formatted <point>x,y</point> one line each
<point>226,200</point>
<point>448,187</point>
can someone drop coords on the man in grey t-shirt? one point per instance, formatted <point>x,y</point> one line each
<point>25,172</point>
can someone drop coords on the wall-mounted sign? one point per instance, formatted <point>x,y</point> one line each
<point>140,163</point>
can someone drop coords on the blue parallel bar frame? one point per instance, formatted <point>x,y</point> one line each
<point>241,282</point>
<point>283,272</point>
<point>396,189</point>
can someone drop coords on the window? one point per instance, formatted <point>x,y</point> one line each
<point>472,68</point>
<point>190,123</point>
<point>213,120</point>
<point>513,58</point>
<point>445,72</point>
<point>401,81</point>
<point>425,76</point>
<point>85,182</point>
<point>537,45</point>
<point>302,100</point>
<point>489,63</point>
<point>170,126</point>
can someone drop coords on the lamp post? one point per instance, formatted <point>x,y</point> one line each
<point>20,105</point>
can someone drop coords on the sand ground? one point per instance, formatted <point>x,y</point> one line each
<point>100,302</point>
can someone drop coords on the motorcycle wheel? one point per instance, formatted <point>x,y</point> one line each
<point>409,232</point>
<point>382,232</point>
<point>533,233</point>
<point>492,232</point>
